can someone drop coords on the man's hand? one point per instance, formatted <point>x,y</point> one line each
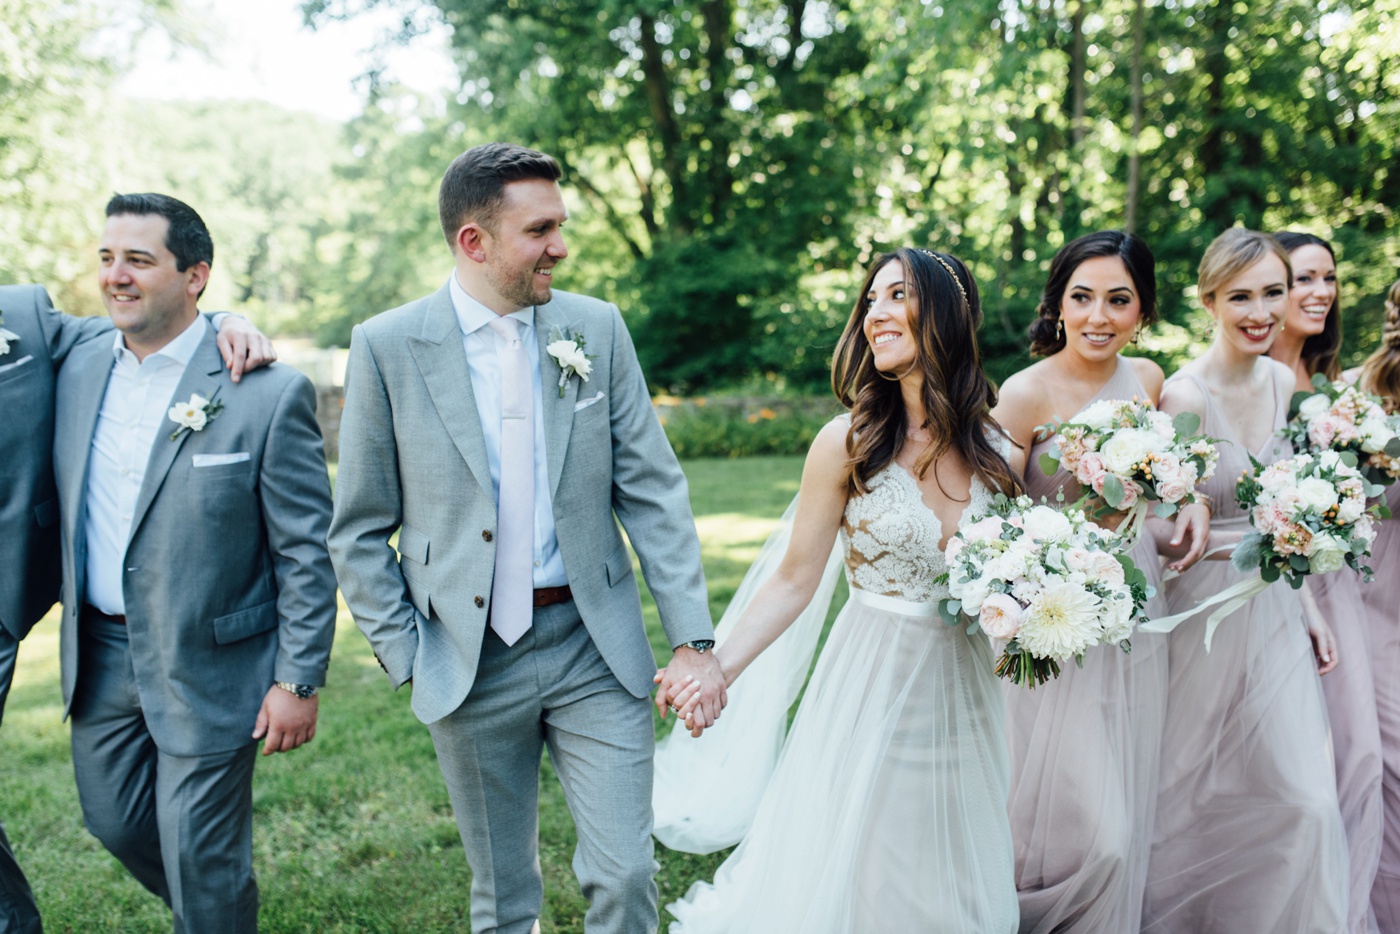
<point>693,681</point>
<point>286,720</point>
<point>243,346</point>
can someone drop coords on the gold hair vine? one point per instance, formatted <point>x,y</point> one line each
<point>938,259</point>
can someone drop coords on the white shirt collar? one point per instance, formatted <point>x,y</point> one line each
<point>179,350</point>
<point>472,315</point>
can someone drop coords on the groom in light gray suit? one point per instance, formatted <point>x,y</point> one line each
<point>198,597</point>
<point>471,431</point>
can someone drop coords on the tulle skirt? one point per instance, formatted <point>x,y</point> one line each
<point>1249,835</point>
<point>887,810</point>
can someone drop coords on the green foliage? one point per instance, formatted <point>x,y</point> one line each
<point>733,428</point>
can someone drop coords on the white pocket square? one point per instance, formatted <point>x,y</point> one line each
<point>218,460</point>
<point>18,363</point>
<point>579,406</point>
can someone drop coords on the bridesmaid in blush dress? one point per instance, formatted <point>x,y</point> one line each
<point>1085,747</point>
<point>1381,375</point>
<point>1310,342</point>
<point>1248,831</point>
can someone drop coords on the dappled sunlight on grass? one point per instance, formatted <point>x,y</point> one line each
<point>353,833</point>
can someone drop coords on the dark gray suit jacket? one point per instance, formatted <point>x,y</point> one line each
<point>227,583</point>
<point>28,499</point>
<point>413,459</point>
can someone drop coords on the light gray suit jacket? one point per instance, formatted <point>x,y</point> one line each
<point>413,460</point>
<point>227,582</point>
<point>28,500</point>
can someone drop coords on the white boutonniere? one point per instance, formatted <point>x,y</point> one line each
<point>568,353</point>
<point>193,415</point>
<point>7,338</point>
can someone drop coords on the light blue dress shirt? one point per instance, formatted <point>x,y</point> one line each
<point>483,346</point>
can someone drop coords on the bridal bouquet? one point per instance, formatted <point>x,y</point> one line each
<point>1048,584</point>
<point>1127,453</point>
<point>1342,418</point>
<point>1309,516</point>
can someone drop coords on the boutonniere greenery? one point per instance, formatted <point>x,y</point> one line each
<point>194,415</point>
<point>7,338</point>
<point>567,351</point>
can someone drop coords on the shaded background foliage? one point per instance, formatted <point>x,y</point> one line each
<point>732,164</point>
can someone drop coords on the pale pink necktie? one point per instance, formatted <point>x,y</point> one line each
<point>513,586</point>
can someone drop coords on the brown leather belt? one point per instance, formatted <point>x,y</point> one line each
<point>89,611</point>
<point>548,596</point>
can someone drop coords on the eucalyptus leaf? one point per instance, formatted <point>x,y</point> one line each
<point>1186,424</point>
<point>1113,491</point>
<point>1049,463</point>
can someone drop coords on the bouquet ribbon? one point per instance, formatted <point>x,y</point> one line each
<point>1228,601</point>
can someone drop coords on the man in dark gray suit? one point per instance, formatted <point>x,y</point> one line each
<point>503,429</point>
<point>34,342</point>
<point>199,601</point>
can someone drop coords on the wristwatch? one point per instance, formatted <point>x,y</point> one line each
<point>700,645</point>
<point>301,691</point>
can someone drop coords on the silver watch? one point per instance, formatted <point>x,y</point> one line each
<point>301,691</point>
<point>700,645</point>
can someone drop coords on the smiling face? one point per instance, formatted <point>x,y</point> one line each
<point>1314,289</point>
<point>523,245</point>
<point>1100,308</point>
<point>149,299</point>
<point>887,327</point>
<point>1250,307</point>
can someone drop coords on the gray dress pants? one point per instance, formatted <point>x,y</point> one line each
<point>182,825</point>
<point>552,688</point>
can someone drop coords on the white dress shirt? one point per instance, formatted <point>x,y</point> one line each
<point>131,422</point>
<point>483,346</point>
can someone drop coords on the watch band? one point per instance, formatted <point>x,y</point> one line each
<point>301,691</point>
<point>700,645</point>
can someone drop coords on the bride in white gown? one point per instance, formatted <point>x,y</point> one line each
<point>887,807</point>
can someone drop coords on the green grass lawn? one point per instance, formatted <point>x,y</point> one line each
<point>354,832</point>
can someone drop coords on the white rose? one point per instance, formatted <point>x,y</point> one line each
<point>1376,433</point>
<point>1313,406</point>
<point>190,414</point>
<point>1099,416</point>
<point>1117,620</point>
<point>1326,554</point>
<point>1127,448</point>
<point>1047,525</point>
<point>1350,509</point>
<point>973,594</point>
<point>568,354</point>
<point>1000,616</point>
<point>1317,494</point>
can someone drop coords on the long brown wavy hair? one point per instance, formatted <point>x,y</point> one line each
<point>1380,373</point>
<point>957,395</point>
<point>1322,352</point>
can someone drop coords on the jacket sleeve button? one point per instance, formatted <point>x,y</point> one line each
<point>486,535</point>
<point>479,602</point>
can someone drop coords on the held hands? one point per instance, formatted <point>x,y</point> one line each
<point>694,686</point>
<point>243,346</point>
<point>286,720</point>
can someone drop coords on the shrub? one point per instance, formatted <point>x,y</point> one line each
<point>743,427</point>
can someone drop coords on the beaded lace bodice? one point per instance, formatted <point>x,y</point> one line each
<point>891,538</point>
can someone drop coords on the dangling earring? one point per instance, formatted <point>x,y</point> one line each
<point>1059,328</point>
<point>1137,334</point>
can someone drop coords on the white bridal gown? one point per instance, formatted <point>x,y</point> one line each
<point>887,808</point>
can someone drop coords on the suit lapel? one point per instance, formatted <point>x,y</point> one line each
<point>75,434</point>
<point>442,361</point>
<point>201,376</point>
<point>558,412</point>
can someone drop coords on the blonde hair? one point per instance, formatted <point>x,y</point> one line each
<point>1380,373</point>
<point>1230,254</point>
